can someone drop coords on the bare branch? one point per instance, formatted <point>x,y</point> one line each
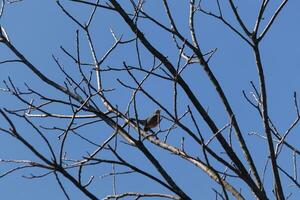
<point>272,20</point>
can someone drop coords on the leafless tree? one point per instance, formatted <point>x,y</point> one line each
<point>86,102</point>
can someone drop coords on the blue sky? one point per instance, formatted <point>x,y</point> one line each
<point>39,28</point>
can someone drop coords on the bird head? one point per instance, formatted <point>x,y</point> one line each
<point>157,111</point>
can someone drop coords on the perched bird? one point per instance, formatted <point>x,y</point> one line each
<point>152,121</point>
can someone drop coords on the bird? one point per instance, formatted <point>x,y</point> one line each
<point>152,121</point>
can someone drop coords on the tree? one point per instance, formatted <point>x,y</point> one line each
<point>164,55</point>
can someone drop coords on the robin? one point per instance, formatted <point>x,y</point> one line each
<point>152,121</point>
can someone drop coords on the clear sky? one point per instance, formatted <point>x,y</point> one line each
<point>39,28</point>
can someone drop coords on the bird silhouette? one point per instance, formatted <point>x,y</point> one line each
<point>152,121</point>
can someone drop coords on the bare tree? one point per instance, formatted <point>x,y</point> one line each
<point>108,95</point>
